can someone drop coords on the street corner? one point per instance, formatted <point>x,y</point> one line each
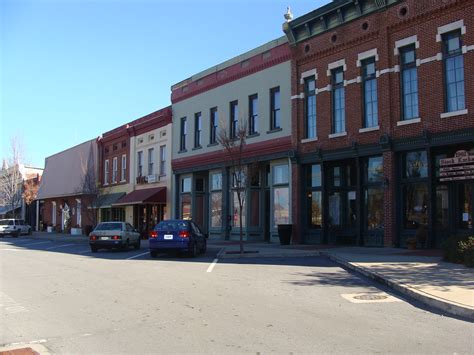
<point>25,349</point>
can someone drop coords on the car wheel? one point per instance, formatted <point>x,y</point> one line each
<point>137,244</point>
<point>193,251</point>
<point>93,249</point>
<point>153,253</point>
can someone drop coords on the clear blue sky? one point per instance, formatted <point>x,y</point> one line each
<point>73,69</point>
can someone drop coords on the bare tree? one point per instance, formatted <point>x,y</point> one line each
<point>11,181</point>
<point>233,141</point>
<point>30,190</point>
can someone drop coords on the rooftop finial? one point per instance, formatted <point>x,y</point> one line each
<point>289,15</point>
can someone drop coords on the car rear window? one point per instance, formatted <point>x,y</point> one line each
<point>109,227</point>
<point>172,225</point>
<point>6,222</point>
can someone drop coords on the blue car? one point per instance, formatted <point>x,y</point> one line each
<point>178,235</point>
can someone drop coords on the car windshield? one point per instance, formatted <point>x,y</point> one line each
<point>172,225</point>
<point>6,222</point>
<point>109,227</point>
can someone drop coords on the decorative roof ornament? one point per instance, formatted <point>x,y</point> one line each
<point>289,15</point>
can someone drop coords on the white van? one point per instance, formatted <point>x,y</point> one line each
<point>14,227</point>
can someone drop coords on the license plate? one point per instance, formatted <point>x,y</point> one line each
<point>104,238</point>
<point>168,236</point>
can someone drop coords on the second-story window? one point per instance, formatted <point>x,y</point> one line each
<point>409,82</point>
<point>140,163</point>
<point>253,114</point>
<point>338,101</point>
<point>369,85</point>
<point>234,118</point>
<point>275,119</point>
<point>453,71</point>
<point>114,170</point>
<point>124,167</point>
<point>310,107</point>
<point>197,129</point>
<point>151,159</point>
<point>163,160</point>
<point>106,172</point>
<point>183,132</point>
<point>214,124</point>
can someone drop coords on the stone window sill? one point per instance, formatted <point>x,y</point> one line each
<point>337,135</point>
<point>307,140</point>
<point>279,129</point>
<point>369,129</point>
<point>454,113</point>
<point>405,122</point>
<point>212,144</point>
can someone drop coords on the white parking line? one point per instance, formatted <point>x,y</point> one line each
<point>10,249</point>
<point>84,251</point>
<point>59,246</point>
<point>209,269</point>
<point>136,256</point>
<point>29,245</point>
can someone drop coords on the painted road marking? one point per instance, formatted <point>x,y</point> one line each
<point>10,305</point>
<point>30,245</point>
<point>136,256</point>
<point>84,251</point>
<point>209,269</point>
<point>60,246</point>
<point>9,249</point>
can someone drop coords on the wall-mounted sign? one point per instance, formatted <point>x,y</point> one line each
<point>460,167</point>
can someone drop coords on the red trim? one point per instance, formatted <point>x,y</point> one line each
<point>234,72</point>
<point>272,146</point>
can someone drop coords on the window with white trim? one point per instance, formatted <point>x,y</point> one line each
<point>163,160</point>
<point>455,99</point>
<point>151,161</point>
<point>114,170</point>
<point>409,82</point>
<point>106,172</point>
<point>124,167</point>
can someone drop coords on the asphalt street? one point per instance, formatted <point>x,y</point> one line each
<point>70,300</point>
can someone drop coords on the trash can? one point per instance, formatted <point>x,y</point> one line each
<point>284,233</point>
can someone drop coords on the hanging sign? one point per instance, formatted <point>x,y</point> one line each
<point>460,167</point>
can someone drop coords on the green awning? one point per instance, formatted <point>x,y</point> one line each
<point>106,200</point>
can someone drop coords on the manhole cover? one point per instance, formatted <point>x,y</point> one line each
<point>370,297</point>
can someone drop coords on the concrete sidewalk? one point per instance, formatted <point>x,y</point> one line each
<point>57,237</point>
<point>419,274</point>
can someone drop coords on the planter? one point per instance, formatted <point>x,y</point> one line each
<point>76,231</point>
<point>411,244</point>
<point>284,233</point>
<point>50,229</point>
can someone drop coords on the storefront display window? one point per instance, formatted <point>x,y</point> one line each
<point>416,205</point>
<point>442,206</point>
<point>315,210</point>
<point>236,212</point>
<point>280,174</point>
<point>255,208</point>
<point>466,205</point>
<point>375,208</point>
<point>315,176</point>
<point>281,205</point>
<point>186,206</point>
<point>335,209</point>
<point>186,184</point>
<point>416,165</point>
<point>216,209</point>
<point>375,169</point>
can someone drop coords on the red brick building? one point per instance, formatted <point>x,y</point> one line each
<point>383,124</point>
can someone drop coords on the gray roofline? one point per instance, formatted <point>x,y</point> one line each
<point>65,150</point>
<point>237,59</point>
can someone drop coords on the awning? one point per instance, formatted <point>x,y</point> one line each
<point>155,195</point>
<point>106,200</point>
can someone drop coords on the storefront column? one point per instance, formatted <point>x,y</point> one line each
<point>296,203</point>
<point>390,215</point>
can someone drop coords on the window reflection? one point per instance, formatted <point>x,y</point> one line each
<point>416,205</point>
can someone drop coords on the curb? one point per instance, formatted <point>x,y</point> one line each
<point>223,255</point>
<point>59,237</point>
<point>430,300</point>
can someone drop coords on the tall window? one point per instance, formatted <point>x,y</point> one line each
<point>234,118</point>
<point>314,193</point>
<point>213,129</point>
<point>183,132</point>
<point>369,84</point>
<point>275,121</point>
<point>197,129</point>
<point>454,71</point>
<point>253,114</point>
<point>186,198</point>
<point>409,83</point>
<point>114,170</point>
<point>216,200</point>
<point>281,195</point>
<point>151,161</point>
<point>106,172</point>
<point>124,167</point>
<point>140,163</point>
<point>163,160</point>
<point>338,101</point>
<point>310,107</point>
